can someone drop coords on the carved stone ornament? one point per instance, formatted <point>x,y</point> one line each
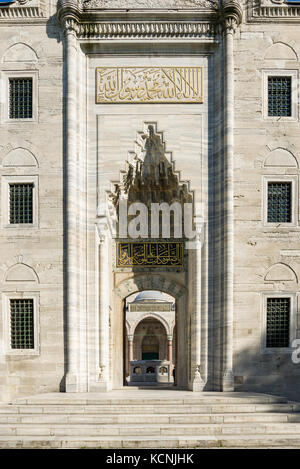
<point>270,2</point>
<point>156,4</point>
<point>30,9</point>
<point>273,10</point>
<point>150,176</point>
<point>87,22</point>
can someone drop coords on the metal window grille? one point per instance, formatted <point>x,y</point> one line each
<point>280,96</point>
<point>21,203</point>
<point>278,322</point>
<point>20,98</point>
<point>279,202</point>
<point>21,321</point>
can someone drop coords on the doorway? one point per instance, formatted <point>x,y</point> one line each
<point>150,342</point>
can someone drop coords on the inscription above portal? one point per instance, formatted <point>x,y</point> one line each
<point>157,4</point>
<point>149,85</point>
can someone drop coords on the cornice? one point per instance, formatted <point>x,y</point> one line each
<point>148,4</point>
<point>24,11</point>
<point>134,24</point>
<point>146,30</point>
<point>272,11</point>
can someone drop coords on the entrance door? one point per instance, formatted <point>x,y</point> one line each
<point>149,319</point>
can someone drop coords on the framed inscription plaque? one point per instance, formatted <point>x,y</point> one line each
<point>149,85</point>
<point>150,254</point>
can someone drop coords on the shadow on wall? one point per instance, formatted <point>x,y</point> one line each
<point>270,371</point>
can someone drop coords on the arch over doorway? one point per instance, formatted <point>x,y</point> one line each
<point>150,281</point>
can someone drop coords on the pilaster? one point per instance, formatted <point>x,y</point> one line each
<point>230,18</point>
<point>198,382</point>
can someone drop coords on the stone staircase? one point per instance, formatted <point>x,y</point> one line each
<point>150,419</point>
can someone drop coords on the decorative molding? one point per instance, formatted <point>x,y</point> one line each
<point>148,4</point>
<point>24,9</point>
<point>23,2</point>
<point>270,11</point>
<point>94,23</point>
<point>290,253</point>
<point>151,29</point>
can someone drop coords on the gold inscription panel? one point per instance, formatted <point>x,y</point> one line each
<point>149,85</point>
<point>151,254</point>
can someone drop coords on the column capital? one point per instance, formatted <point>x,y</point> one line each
<point>68,15</point>
<point>229,16</point>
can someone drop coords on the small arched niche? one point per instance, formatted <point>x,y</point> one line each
<point>281,273</point>
<point>282,158</point>
<point>21,273</point>
<point>280,51</point>
<point>20,52</point>
<point>19,157</point>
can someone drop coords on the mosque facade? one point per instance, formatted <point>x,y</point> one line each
<point>149,161</point>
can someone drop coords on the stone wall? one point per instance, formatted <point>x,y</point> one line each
<point>32,257</point>
<point>266,258</point>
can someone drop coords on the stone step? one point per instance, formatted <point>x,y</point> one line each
<point>172,442</point>
<point>180,430</point>
<point>150,420</point>
<point>138,409</point>
<point>132,402</point>
<point>159,418</point>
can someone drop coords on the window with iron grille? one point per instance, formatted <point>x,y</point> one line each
<point>21,323</point>
<point>20,98</point>
<point>279,202</point>
<point>278,322</point>
<point>21,203</point>
<point>280,96</point>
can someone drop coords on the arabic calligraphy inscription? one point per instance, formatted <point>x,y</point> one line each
<point>149,85</point>
<point>150,254</point>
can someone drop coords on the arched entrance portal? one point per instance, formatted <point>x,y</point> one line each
<point>149,344</point>
<point>146,213</point>
<point>122,331</point>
